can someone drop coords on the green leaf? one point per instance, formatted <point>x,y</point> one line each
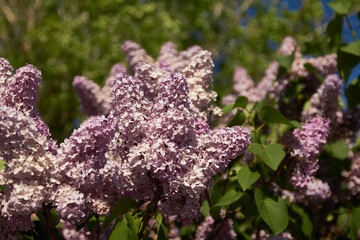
<point>158,220</point>
<point>2,165</point>
<point>126,229</point>
<point>228,198</point>
<point>339,149</point>
<point>285,61</point>
<point>352,93</point>
<point>342,7</point>
<point>352,48</point>
<point>306,224</point>
<point>205,208</point>
<point>246,177</point>
<point>354,223</point>
<point>334,31</point>
<point>241,102</point>
<point>269,114</point>
<point>312,70</point>
<point>346,62</point>
<point>122,206</point>
<point>271,155</point>
<point>238,119</point>
<point>228,109</point>
<point>275,214</point>
<point>163,232</point>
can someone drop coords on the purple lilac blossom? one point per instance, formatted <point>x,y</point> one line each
<point>325,101</point>
<point>95,100</point>
<point>156,142</point>
<point>81,160</point>
<point>305,146</point>
<point>135,54</point>
<point>6,71</point>
<point>21,90</point>
<point>204,229</point>
<point>352,177</point>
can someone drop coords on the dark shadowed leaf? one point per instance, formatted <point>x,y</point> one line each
<point>274,213</point>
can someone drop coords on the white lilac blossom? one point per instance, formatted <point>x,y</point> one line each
<point>95,100</point>
<point>199,77</point>
<point>158,142</point>
<point>325,101</point>
<point>305,146</point>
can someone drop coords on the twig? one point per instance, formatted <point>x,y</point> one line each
<point>208,197</point>
<point>151,209</point>
<point>97,227</point>
<point>50,227</point>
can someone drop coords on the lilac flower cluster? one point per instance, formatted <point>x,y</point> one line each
<point>208,230</point>
<point>30,176</point>
<point>305,146</point>
<point>352,177</point>
<point>194,63</point>
<point>95,100</point>
<point>244,85</point>
<point>325,101</point>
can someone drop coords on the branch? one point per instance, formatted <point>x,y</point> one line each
<point>50,227</point>
<point>150,209</point>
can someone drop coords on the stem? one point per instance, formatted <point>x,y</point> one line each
<point>278,171</point>
<point>50,227</point>
<point>208,197</point>
<point>97,227</point>
<point>150,209</point>
<point>352,30</point>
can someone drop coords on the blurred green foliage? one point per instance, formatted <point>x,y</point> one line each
<point>66,38</point>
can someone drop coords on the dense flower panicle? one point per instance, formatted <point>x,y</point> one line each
<point>168,54</point>
<point>22,90</point>
<point>69,231</point>
<point>158,141</point>
<point>204,229</point>
<point>92,100</point>
<point>287,46</point>
<point>135,54</point>
<point>325,101</point>
<point>12,227</point>
<point>199,77</point>
<point>305,146</point>
<point>262,235</point>
<point>352,177</point>
<point>115,70</point>
<point>317,191</point>
<point>30,176</point>
<point>176,61</point>
<point>70,204</point>
<point>6,71</point>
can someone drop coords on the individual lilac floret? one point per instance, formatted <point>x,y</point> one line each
<point>199,78</point>
<point>325,101</point>
<point>30,176</point>
<point>305,146</point>
<point>6,71</point>
<point>135,54</point>
<point>22,91</point>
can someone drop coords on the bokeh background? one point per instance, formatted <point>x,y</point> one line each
<point>68,38</point>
